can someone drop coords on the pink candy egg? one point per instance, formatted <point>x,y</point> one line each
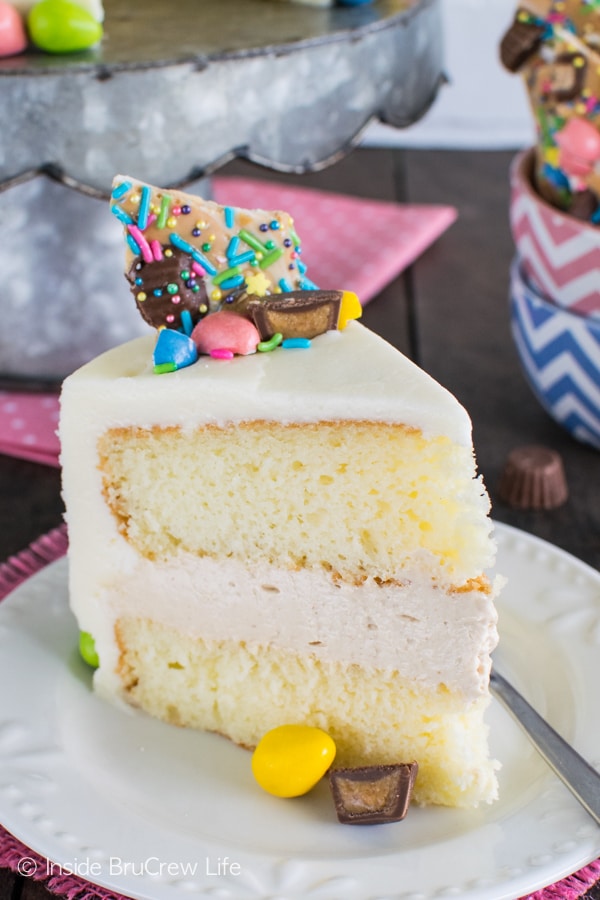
<point>225,331</point>
<point>13,39</point>
<point>579,144</point>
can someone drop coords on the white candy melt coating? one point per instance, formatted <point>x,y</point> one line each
<point>352,374</point>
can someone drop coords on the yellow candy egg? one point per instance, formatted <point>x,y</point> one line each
<point>350,308</point>
<point>291,759</point>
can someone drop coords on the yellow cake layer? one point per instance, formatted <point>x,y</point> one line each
<point>374,716</point>
<point>354,498</point>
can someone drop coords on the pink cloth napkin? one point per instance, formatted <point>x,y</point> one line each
<point>348,243</point>
<point>28,425</point>
<point>71,887</point>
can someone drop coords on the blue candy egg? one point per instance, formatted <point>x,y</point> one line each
<point>174,348</point>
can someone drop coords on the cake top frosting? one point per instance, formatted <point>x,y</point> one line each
<point>349,375</point>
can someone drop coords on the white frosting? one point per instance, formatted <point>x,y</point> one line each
<point>423,632</point>
<point>350,374</point>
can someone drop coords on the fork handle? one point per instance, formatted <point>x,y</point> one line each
<point>582,779</point>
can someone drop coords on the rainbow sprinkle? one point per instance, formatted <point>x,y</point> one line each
<point>144,208</point>
<point>163,214</point>
<point>226,274</point>
<point>145,250</point>
<point>270,258</point>
<point>298,343</point>
<point>232,249</point>
<point>121,189</point>
<point>252,241</point>
<point>121,215</point>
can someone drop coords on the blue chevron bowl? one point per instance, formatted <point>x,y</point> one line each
<point>560,354</point>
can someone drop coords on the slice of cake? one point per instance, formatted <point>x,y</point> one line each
<point>290,536</point>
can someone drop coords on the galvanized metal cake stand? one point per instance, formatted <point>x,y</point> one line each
<point>172,93</point>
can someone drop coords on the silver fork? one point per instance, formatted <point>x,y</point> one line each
<point>579,776</point>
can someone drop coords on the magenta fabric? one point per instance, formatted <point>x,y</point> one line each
<point>28,424</point>
<point>14,572</point>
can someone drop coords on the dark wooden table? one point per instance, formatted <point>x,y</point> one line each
<point>450,313</point>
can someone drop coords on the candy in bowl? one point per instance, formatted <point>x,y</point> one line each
<point>559,253</point>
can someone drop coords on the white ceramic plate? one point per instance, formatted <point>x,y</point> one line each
<point>157,812</point>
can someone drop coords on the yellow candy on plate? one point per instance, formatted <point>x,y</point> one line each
<point>291,759</point>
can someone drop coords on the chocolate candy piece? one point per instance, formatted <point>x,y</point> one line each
<point>533,478</point>
<point>165,287</point>
<point>239,302</point>
<point>562,79</point>
<point>373,795</point>
<point>296,314</point>
<point>583,205</point>
<point>520,41</point>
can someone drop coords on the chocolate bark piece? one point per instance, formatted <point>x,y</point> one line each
<point>228,248</point>
<point>533,478</point>
<point>520,42</point>
<point>165,287</point>
<point>296,314</point>
<point>373,795</point>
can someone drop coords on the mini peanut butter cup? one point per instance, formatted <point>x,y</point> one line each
<point>372,795</point>
<point>296,313</point>
<point>533,478</point>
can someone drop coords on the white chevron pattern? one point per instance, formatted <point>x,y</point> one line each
<point>568,250</point>
<point>560,254</point>
<point>573,292</point>
<point>556,327</point>
<point>560,354</point>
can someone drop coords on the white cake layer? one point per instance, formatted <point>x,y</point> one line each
<point>427,634</point>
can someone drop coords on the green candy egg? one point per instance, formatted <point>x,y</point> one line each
<point>60,26</point>
<point>87,648</point>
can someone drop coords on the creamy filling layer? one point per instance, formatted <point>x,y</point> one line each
<point>426,634</point>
